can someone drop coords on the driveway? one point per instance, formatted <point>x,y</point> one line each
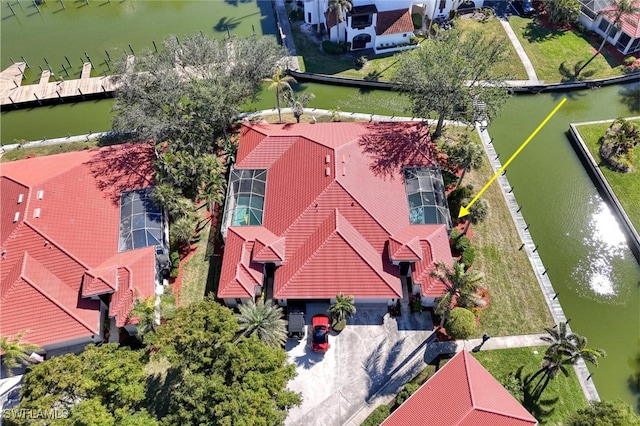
<point>360,360</point>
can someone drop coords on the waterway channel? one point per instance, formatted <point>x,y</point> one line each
<point>580,242</point>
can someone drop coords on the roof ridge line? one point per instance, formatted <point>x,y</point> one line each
<point>53,242</point>
<point>364,209</point>
<point>350,244</point>
<point>53,299</point>
<point>16,266</point>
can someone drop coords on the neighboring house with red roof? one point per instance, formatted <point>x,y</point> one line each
<point>79,236</point>
<point>309,214</point>
<point>381,25</point>
<point>598,15</point>
<point>462,393</point>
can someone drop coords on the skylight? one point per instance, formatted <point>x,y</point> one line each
<point>140,220</point>
<point>245,198</point>
<point>426,196</point>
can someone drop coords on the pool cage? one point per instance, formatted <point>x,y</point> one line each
<point>426,196</point>
<point>245,198</point>
<point>591,7</point>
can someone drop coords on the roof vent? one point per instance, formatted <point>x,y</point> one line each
<point>327,159</point>
<point>16,217</point>
<point>40,194</point>
<point>20,198</point>
<point>327,171</point>
<point>36,212</point>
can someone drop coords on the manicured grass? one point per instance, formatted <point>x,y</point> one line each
<point>554,53</point>
<point>517,305</point>
<point>313,59</point>
<point>492,28</point>
<point>625,185</point>
<point>201,271</point>
<point>561,397</point>
<point>22,153</point>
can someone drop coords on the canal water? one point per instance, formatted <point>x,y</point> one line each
<point>580,242</point>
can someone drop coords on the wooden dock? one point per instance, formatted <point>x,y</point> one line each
<point>12,92</point>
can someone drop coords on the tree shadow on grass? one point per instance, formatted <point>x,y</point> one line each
<point>540,408</point>
<point>572,73</point>
<point>535,32</point>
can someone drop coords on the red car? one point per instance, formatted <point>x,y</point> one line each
<point>320,333</point>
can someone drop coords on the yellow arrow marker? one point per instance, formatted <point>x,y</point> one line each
<point>465,210</point>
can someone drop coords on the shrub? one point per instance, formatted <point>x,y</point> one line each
<point>296,14</point>
<point>455,234</point>
<point>334,48</point>
<point>175,258</point>
<point>462,244</point>
<point>409,389</point>
<point>461,323</point>
<point>456,199</point>
<point>417,20</point>
<point>629,60</point>
<point>377,416</point>
<point>468,256</point>
<point>361,61</point>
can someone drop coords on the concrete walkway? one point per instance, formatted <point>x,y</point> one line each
<point>284,26</point>
<point>531,73</point>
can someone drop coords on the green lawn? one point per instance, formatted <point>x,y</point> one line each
<point>625,185</point>
<point>555,53</point>
<point>517,305</point>
<point>22,153</point>
<point>513,66</point>
<point>313,59</point>
<point>562,396</point>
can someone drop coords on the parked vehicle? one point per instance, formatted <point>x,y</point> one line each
<point>527,7</point>
<point>320,333</point>
<point>296,324</point>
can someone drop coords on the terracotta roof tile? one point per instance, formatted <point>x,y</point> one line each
<point>473,397</point>
<point>394,22</point>
<point>630,23</point>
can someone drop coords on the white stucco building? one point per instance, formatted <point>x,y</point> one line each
<point>597,15</point>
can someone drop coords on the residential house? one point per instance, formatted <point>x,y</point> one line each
<point>81,240</point>
<point>381,25</point>
<point>311,212</point>
<point>598,15</point>
<point>462,392</point>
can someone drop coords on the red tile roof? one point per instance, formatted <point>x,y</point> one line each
<point>462,393</point>
<point>394,22</point>
<point>332,213</point>
<point>63,244</point>
<point>630,24</point>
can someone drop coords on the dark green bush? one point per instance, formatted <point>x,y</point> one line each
<point>461,323</point>
<point>361,61</point>
<point>629,60</point>
<point>468,256</point>
<point>409,389</point>
<point>455,234</point>
<point>462,243</point>
<point>377,416</point>
<point>456,199</point>
<point>417,20</point>
<point>334,48</point>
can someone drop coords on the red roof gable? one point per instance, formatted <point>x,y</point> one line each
<point>335,211</point>
<point>394,22</point>
<point>472,396</point>
<point>57,248</point>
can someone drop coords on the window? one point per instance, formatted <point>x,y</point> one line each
<point>443,5</point>
<point>623,40</point>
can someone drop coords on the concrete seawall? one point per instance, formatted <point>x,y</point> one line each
<point>603,186</point>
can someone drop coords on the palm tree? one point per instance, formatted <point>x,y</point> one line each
<point>183,229</point>
<point>458,282</point>
<point>263,320</point>
<point>343,308</point>
<point>279,82</point>
<point>145,312</point>
<point>465,155</point>
<point>15,352</point>
<point>340,7</point>
<point>620,8</point>
<point>478,212</point>
<point>298,103</point>
<point>581,351</point>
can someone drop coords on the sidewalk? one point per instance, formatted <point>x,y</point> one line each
<point>286,34</point>
<point>531,73</point>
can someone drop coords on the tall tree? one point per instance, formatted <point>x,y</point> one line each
<point>343,308</point>
<point>108,381</point>
<point>620,9</point>
<point>457,282</point>
<point>279,82</point>
<point>264,320</point>
<point>453,77</point>
<point>341,8</point>
<point>562,12</point>
<point>298,103</point>
<point>221,379</point>
<point>14,352</point>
